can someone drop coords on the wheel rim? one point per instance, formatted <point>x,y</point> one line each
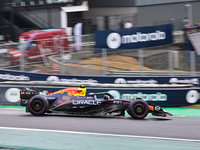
<point>37,105</point>
<point>139,109</point>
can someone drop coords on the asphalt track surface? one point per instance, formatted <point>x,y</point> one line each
<point>19,129</point>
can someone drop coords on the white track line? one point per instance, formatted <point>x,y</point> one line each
<point>99,134</point>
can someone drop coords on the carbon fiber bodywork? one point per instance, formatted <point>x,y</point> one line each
<point>71,101</point>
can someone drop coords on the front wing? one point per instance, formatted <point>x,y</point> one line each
<point>158,111</point>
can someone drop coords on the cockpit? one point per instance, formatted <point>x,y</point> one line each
<point>103,95</point>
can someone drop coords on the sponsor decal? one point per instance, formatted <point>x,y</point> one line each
<point>78,80</point>
<point>27,92</point>
<point>63,101</point>
<point>151,108</point>
<point>120,80</point>
<point>115,113</point>
<point>90,97</point>
<point>192,96</point>
<point>86,102</point>
<point>72,91</point>
<point>13,95</point>
<point>14,77</point>
<point>157,108</point>
<point>114,40</point>
<point>158,96</point>
<point>117,102</point>
<point>44,92</point>
<point>143,37</point>
<point>185,81</point>
<point>137,81</point>
<point>66,97</point>
<point>55,78</point>
<point>51,98</point>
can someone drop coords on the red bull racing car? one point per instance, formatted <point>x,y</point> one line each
<point>75,101</point>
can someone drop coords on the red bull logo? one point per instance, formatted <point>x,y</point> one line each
<point>72,91</point>
<point>151,108</point>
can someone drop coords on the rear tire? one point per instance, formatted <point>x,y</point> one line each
<point>138,109</point>
<point>38,105</point>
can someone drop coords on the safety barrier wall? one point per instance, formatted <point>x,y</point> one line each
<point>9,94</point>
<point>181,94</point>
<point>7,75</point>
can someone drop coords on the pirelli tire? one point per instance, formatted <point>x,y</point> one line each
<point>138,109</point>
<point>38,105</point>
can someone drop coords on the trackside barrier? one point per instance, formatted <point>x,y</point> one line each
<point>8,75</point>
<point>94,85</point>
<point>159,94</point>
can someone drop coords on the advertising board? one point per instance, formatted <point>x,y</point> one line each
<point>133,38</point>
<point>8,75</point>
<point>9,95</point>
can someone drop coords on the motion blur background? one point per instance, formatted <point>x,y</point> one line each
<point>128,48</point>
<point>84,56</point>
<point>177,58</point>
<point>92,41</point>
<point>18,16</point>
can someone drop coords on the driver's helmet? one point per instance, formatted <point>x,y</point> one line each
<point>105,97</point>
<point>82,90</point>
<point>82,86</point>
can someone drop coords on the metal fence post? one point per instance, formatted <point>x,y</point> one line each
<point>141,61</point>
<point>62,62</point>
<point>192,63</point>
<point>171,62</point>
<point>104,55</point>
<point>22,56</point>
<point>62,65</point>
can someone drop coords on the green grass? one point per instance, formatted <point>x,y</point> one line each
<point>13,107</point>
<point>186,112</point>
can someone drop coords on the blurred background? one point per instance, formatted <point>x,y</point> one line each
<point>129,48</point>
<point>82,21</point>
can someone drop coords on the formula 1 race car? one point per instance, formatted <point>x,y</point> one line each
<point>75,101</point>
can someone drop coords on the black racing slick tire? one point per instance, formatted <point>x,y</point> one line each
<point>38,105</point>
<point>138,109</point>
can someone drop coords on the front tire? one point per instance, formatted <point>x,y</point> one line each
<point>138,109</point>
<point>37,105</point>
